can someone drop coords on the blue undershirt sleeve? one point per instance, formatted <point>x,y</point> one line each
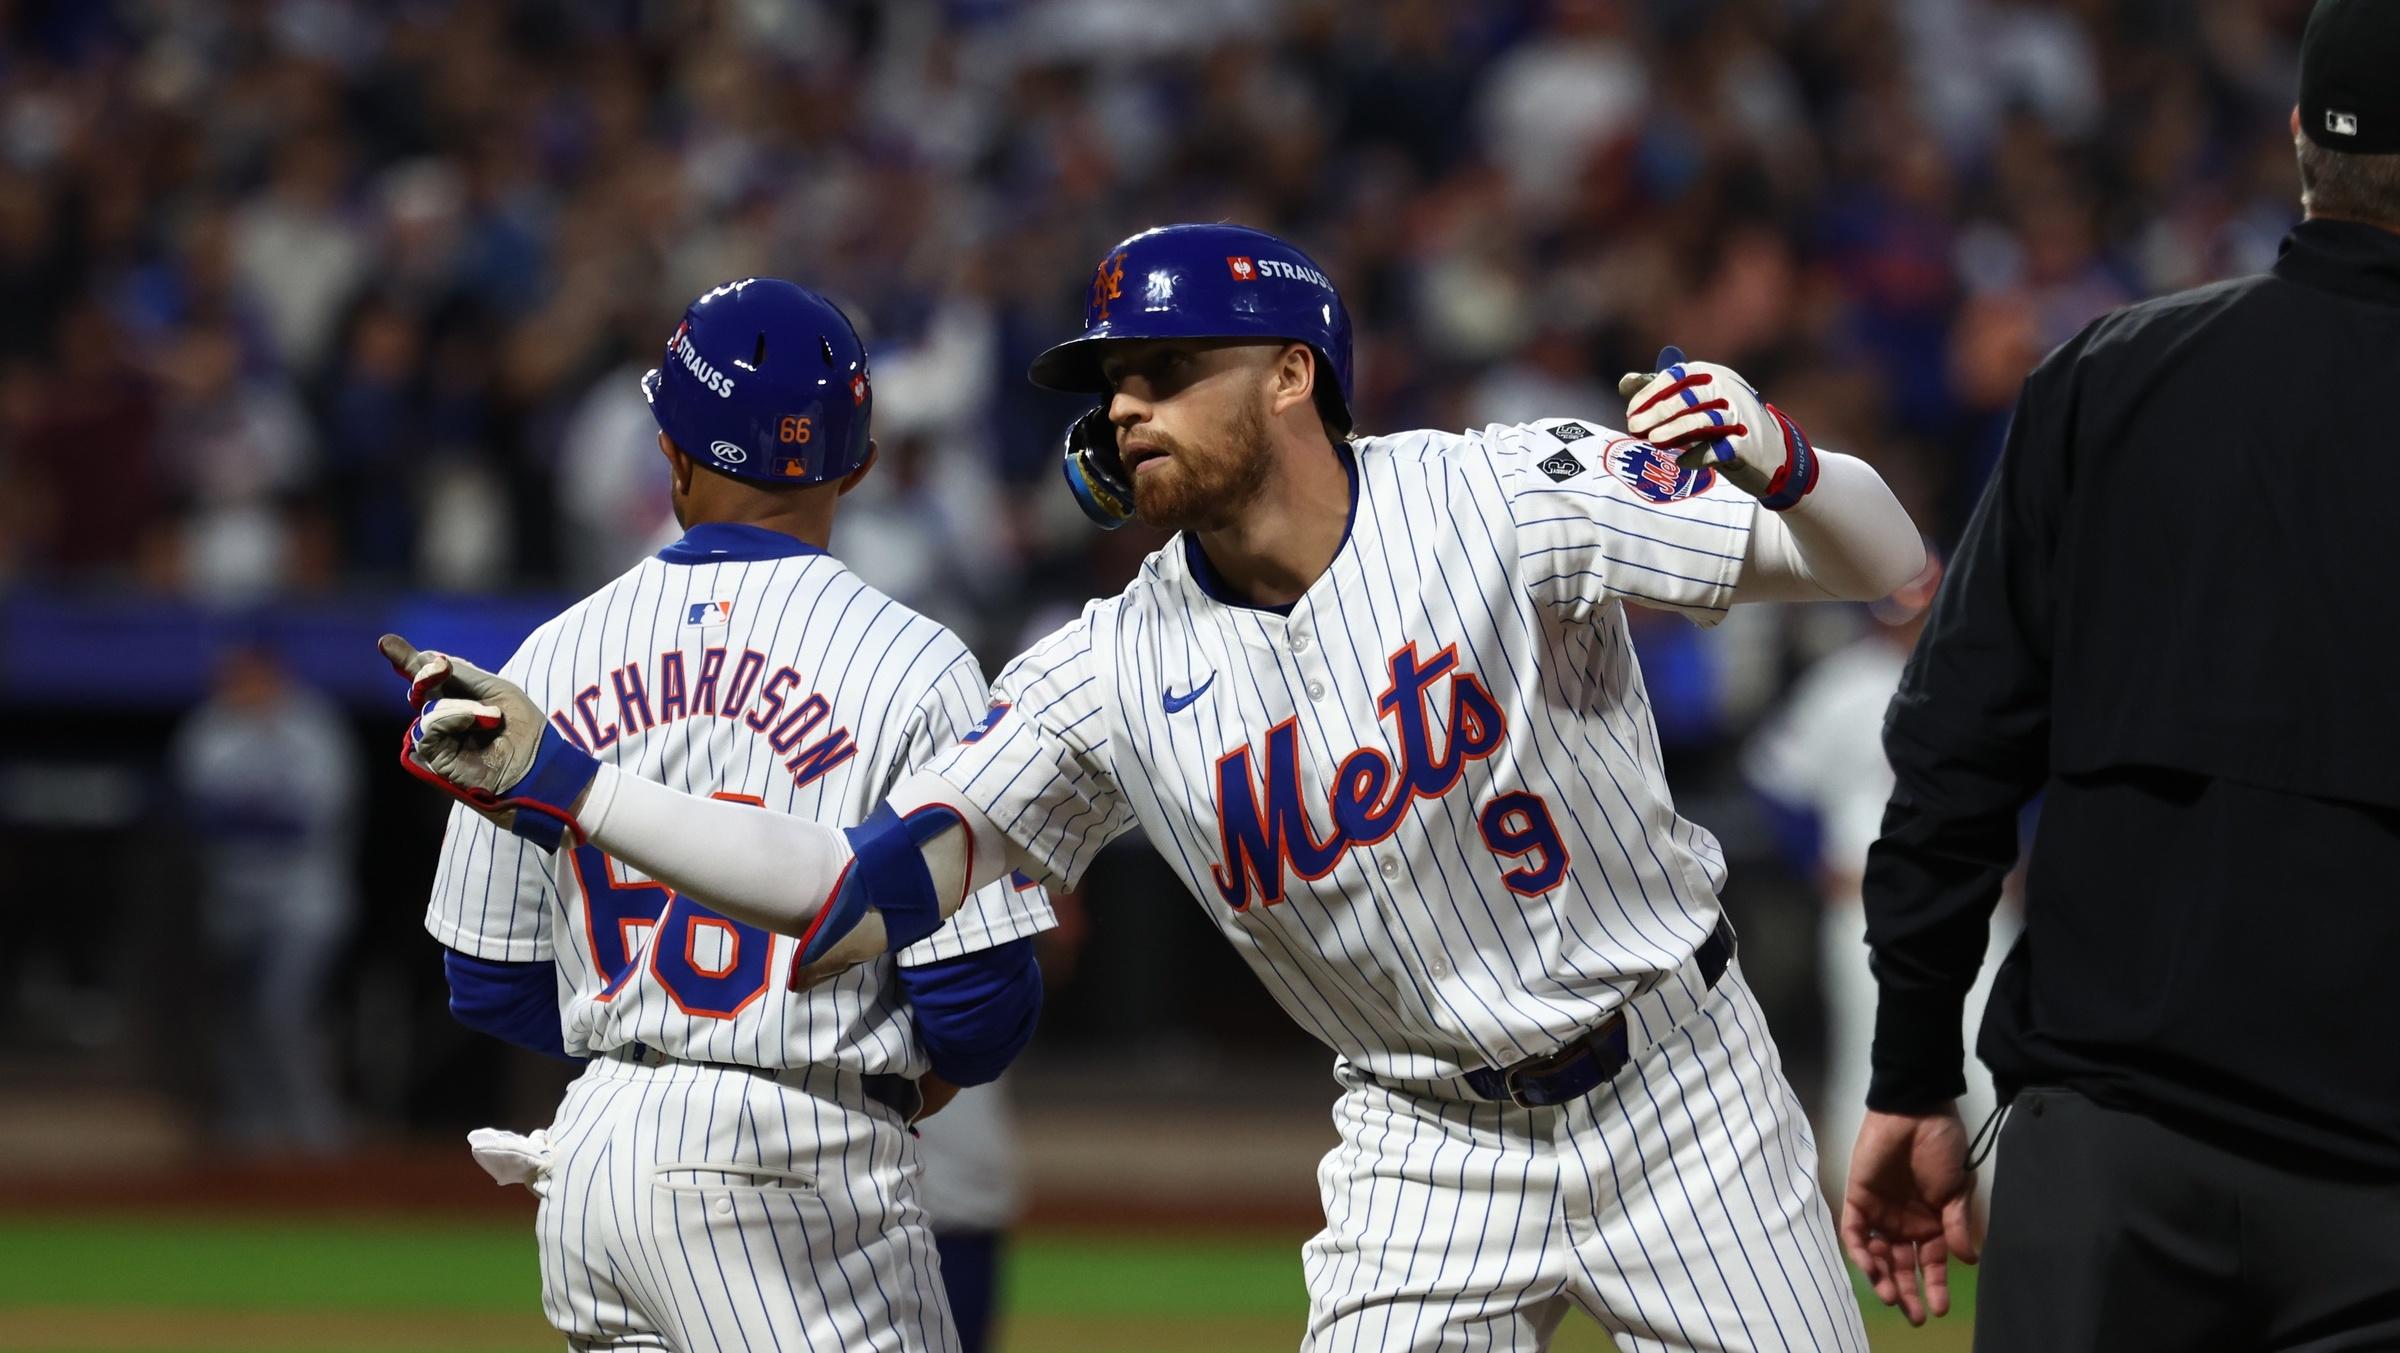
<point>975,1013</point>
<point>513,1002</point>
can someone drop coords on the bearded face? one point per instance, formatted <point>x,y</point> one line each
<point>1200,457</point>
<point>1204,484</point>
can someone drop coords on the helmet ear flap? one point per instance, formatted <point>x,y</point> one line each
<point>1094,473</point>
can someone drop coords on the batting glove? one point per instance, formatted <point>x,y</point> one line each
<point>1711,419</point>
<point>480,739</point>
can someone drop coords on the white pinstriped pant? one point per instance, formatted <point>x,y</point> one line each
<point>701,1208</point>
<point>1678,1206</point>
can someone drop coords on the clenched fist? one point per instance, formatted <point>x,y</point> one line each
<point>1710,417</point>
<point>479,738</point>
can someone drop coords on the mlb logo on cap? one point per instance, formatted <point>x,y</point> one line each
<point>2341,124</point>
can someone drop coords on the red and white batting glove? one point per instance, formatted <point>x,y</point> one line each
<point>1710,418</point>
<point>480,739</point>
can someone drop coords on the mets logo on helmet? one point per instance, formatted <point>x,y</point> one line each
<point>1106,284</point>
<point>1653,473</point>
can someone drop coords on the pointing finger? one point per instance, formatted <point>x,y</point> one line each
<point>399,652</point>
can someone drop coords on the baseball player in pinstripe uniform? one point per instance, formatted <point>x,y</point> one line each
<point>1376,704</point>
<point>735,1169</point>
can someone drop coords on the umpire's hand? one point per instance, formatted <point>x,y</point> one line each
<point>1910,1208</point>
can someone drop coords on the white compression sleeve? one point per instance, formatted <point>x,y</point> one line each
<point>1848,540</point>
<point>759,867</point>
<point>770,869</point>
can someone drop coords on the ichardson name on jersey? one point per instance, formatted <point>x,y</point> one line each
<point>594,720</point>
<point>1369,797</point>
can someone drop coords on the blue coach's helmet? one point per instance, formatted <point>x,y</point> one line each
<point>1191,281</point>
<point>765,380</point>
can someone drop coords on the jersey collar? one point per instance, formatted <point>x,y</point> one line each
<point>717,542</point>
<point>1209,581</point>
<point>2345,257</point>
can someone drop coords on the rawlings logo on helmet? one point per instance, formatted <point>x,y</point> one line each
<point>728,452</point>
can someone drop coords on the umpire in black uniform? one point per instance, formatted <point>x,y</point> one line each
<point>2175,618</point>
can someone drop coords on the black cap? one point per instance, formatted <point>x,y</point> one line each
<point>2350,76</point>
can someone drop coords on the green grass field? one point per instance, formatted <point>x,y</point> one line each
<point>261,1286</point>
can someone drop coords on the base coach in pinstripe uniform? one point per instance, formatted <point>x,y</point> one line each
<point>2173,619</point>
<point>735,1167</point>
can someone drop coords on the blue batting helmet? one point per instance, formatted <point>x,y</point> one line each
<point>765,380</point>
<point>1191,281</point>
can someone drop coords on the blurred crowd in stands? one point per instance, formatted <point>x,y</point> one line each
<point>306,301</point>
<point>306,295</point>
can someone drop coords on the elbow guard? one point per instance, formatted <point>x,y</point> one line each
<point>887,872</point>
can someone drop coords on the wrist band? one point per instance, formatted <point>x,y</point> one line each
<point>1799,473</point>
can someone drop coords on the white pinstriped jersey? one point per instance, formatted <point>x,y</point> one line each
<point>1428,805</point>
<point>744,664</point>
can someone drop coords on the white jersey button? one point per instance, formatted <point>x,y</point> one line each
<point>1437,967</point>
<point>1316,690</point>
<point>1391,867</point>
<point>1300,643</point>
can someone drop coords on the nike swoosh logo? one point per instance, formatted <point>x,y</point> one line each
<point>1173,703</point>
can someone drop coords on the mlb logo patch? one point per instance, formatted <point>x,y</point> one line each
<point>1570,432</point>
<point>1241,267</point>
<point>1653,473</point>
<point>793,468</point>
<point>990,720</point>
<point>1562,467</point>
<point>709,613</point>
<point>2341,124</point>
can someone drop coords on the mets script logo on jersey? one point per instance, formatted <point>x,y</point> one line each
<point>1653,473</point>
<point>1264,826</point>
<point>710,613</point>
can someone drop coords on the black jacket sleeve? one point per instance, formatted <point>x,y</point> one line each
<point>1967,736</point>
